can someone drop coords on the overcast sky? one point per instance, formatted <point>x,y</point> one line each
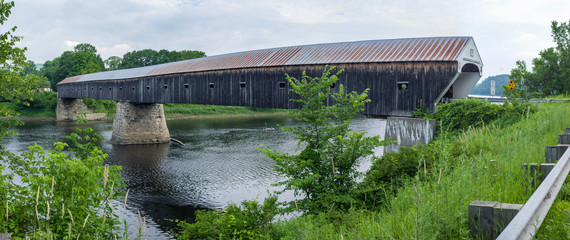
<point>504,31</point>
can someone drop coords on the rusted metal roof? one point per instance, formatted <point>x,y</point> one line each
<point>390,50</point>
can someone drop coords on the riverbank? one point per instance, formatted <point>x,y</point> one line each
<point>424,192</point>
<point>171,112</point>
<point>483,163</point>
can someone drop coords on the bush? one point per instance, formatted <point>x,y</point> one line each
<point>44,100</point>
<point>101,106</point>
<point>250,221</point>
<point>392,170</point>
<point>61,193</point>
<point>324,172</point>
<point>472,113</point>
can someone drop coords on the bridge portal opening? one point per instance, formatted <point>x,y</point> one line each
<point>465,81</point>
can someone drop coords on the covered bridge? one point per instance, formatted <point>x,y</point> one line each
<point>402,75</point>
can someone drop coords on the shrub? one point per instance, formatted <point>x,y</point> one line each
<point>471,113</point>
<point>101,106</point>
<point>323,173</point>
<point>62,193</point>
<point>250,221</point>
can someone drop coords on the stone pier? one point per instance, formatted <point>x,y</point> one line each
<point>68,109</point>
<point>139,124</point>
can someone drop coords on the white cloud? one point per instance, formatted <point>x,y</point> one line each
<point>70,44</point>
<point>311,12</point>
<point>115,50</point>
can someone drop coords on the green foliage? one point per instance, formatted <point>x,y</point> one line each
<point>113,63</point>
<point>556,224</point>
<point>42,104</point>
<point>101,106</point>
<point>471,113</point>
<point>30,68</point>
<point>550,73</point>
<point>250,221</point>
<point>422,113</point>
<point>82,60</point>
<point>85,48</point>
<point>477,164</point>
<point>323,173</point>
<point>13,86</point>
<point>149,57</point>
<point>392,171</point>
<point>64,193</point>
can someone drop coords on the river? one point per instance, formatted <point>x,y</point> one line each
<point>219,164</point>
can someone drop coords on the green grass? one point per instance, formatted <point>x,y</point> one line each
<point>178,110</point>
<point>478,164</point>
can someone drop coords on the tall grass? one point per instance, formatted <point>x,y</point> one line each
<point>482,163</point>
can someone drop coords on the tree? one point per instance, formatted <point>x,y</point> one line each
<point>12,61</point>
<point>113,63</point>
<point>83,60</point>
<point>550,73</point>
<point>30,68</point>
<point>149,57</point>
<point>50,194</point>
<point>140,58</point>
<point>324,172</point>
<point>86,48</point>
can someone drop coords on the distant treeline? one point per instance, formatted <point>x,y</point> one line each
<point>84,59</point>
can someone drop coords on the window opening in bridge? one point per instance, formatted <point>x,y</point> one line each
<point>211,85</point>
<point>147,87</point>
<point>281,85</point>
<point>91,88</point>
<point>133,89</point>
<point>165,86</point>
<point>110,89</point>
<point>100,88</point>
<point>402,86</point>
<point>242,84</point>
<point>121,88</point>
<point>186,85</point>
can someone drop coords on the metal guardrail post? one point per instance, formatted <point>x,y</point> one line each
<point>527,222</point>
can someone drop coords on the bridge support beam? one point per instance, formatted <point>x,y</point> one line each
<point>139,124</point>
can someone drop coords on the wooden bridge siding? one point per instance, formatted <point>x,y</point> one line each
<point>426,81</point>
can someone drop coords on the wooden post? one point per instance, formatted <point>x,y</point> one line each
<point>544,169</point>
<point>554,152</point>
<point>564,138</point>
<point>488,219</point>
<point>481,219</point>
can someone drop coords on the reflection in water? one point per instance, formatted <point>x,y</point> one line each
<point>219,164</point>
<point>145,157</point>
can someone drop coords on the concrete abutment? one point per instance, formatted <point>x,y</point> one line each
<point>139,123</point>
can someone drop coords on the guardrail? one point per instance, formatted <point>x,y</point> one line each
<point>487,219</point>
<point>528,220</point>
<point>497,99</point>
